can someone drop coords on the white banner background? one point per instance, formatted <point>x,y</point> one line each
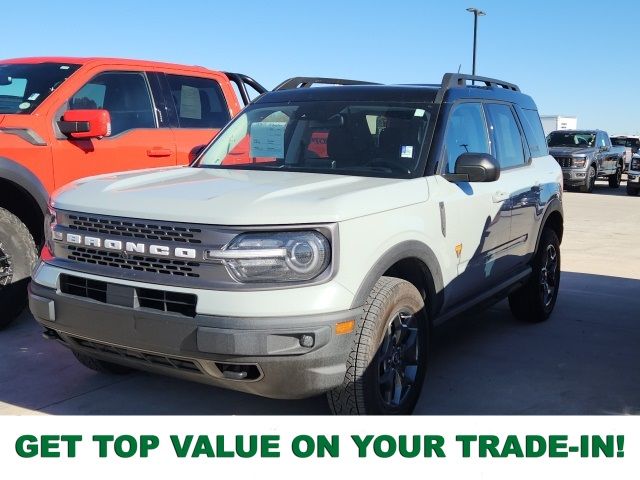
<point>163,462</point>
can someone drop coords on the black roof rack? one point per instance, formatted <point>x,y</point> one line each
<point>306,82</point>
<point>459,80</point>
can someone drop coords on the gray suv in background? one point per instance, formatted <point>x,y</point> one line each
<point>586,155</point>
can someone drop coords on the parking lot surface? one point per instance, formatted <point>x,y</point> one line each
<point>584,360</point>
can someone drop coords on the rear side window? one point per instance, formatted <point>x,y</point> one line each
<point>199,102</point>
<point>466,133</point>
<point>506,135</point>
<point>533,131</point>
<point>124,94</point>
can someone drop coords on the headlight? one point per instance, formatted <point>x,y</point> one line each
<point>275,256</point>
<point>635,164</point>
<point>50,223</point>
<point>578,162</point>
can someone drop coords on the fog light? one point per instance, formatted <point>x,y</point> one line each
<point>580,174</point>
<point>343,328</point>
<point>306,341</point>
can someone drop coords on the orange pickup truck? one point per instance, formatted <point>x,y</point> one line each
<point>66,118</point>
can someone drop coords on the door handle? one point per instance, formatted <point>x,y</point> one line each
<point>159,152</point>
<point>500,196</point>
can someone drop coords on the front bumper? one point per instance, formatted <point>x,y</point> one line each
<point>268,356</point>
<point>573,178</point>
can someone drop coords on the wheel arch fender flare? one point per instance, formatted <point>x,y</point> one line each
<point>404,250</point>
<point>555,205</point>
<point>25,179</point>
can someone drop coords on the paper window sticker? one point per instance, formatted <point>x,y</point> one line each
<point>24,105</point>
<point>267,139</point>
<point>190,106</point>
<point>406,151</point>
<point>33,96</point>
<point>419,112</point>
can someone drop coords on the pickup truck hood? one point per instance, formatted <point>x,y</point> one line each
<point>237,197</point>
<point>568,151</point>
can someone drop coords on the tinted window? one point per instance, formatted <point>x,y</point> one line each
<point>506,135</point>
<point>466,132</point>
<point>534,133</point>
<point>199,102</point>
<point>561,138</point>
<point>124,94</point>
<point>24,86</point>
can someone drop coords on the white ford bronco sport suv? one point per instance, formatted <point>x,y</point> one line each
<point>313,244</point>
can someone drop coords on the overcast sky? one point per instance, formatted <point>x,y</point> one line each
<point>574,57</point>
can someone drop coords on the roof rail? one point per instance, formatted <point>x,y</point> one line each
<point>459,80</point>
<point>241,80</point>
<point>306,82</point>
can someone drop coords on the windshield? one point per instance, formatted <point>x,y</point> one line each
<point>571,139</point>
<point>632,143</point>
<point>354,138</point>
<point>24,86</point>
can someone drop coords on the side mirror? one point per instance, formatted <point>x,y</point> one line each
<point>85,123</point>
<point>195,152</point>
<point>477,167</point>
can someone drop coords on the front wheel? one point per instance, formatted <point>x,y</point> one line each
<point>388,358</point>
<point>17,257</point>
<point>590,181</point>
<point>616,178</point>
<point>535,300</point>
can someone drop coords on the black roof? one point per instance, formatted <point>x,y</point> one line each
<point>453,87</point>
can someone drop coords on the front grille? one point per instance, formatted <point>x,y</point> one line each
<point>181,268</point>
<point>161,300</point>
<point>565,162</point>
<point>144,357</point>
<point>135,229</point>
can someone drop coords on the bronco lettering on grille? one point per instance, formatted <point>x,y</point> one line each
<point>130,247</point>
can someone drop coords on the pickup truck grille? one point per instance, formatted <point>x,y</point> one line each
<point>135,229</point>
<point>565,162</point>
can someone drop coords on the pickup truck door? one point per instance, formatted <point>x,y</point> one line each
<point>137,140</point>
<point>604,154</point>
<point>476,216</point>
<point>198,107</point>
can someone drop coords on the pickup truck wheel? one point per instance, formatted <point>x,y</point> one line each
<point>590,181</point>
<point>534,301</point>
<point>17,257</point>
<point>632,191</point>
<point>100,365</point>
<point>388,359</point>
<point>616,178</point>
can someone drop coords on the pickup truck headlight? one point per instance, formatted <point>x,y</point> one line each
<point>635,164</point>
<point>266,257</point>
<point>579,162</point>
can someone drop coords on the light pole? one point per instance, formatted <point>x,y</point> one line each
<point>476,13</point>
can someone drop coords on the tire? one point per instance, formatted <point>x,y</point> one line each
<point>632,191</point>
<point>389,350</point>
<point>616,178</point>
<point>534,301</point>
<point>18,255</point>
<point>590,181</point>
<point>101,366</point>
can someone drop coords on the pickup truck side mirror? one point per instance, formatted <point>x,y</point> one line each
<point>85,123</point>
<point>476,167</point>
<point>603,148</point>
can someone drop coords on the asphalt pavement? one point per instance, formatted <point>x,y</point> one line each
<point>584,360</point>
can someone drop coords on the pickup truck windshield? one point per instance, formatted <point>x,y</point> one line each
<point>571,139</point>
<point>355,138</point>
<point>24,86</point>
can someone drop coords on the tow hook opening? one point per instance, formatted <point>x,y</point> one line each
<point>233,371</point>
<point>49,334</point>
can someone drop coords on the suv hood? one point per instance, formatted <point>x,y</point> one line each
<point>237,197</point>
<point>568,151</point>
